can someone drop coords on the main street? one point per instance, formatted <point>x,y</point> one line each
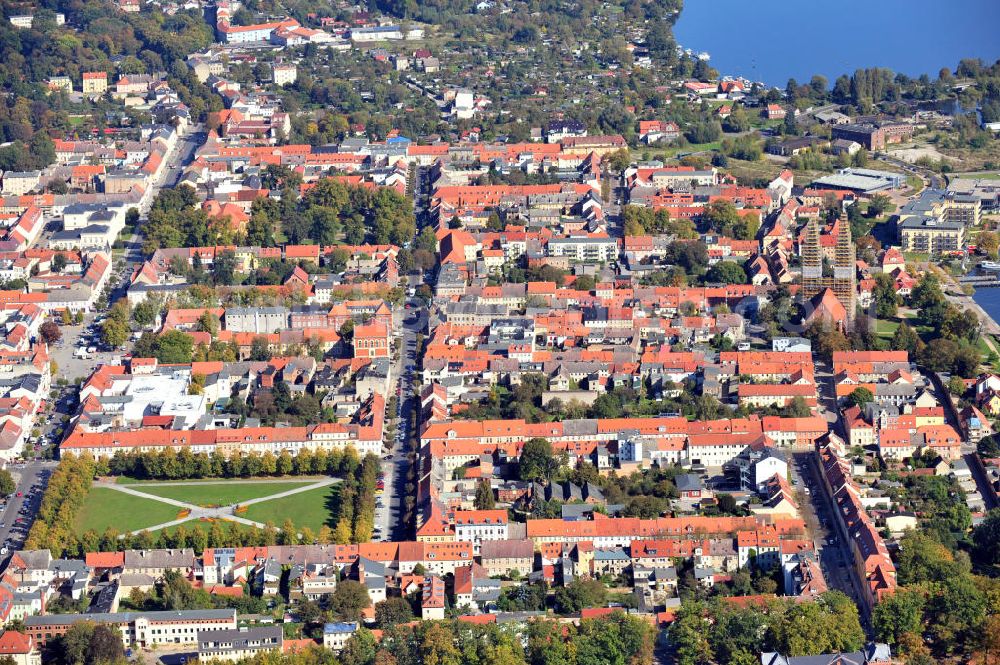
<point>934,181</point>
<point>389,519</point>
<point>818,509</point>
<point>176,161</point>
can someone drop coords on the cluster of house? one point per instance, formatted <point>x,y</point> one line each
<point>287,31</point>
<point>906,417</point>
<point>146,407</point>
<point>551,550</point>
<point>563,225</point>
<point>25,374</point>
<point>105,179</point>
<point>76,287</point>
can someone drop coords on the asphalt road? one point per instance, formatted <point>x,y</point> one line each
<point>31,479</point>
<point>835,556</point>
<point>395,465</point>
<point>933,179</point>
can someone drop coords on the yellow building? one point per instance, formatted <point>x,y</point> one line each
<point>95,83</point>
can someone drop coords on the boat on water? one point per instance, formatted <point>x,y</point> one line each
<point>990,266</point>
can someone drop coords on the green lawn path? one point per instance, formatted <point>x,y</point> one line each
<point>313,509</point>
<point>106,507</point>
<point>220,493</point>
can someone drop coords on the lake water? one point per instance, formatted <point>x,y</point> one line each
<point>774,40</point>
<point>989,300</point>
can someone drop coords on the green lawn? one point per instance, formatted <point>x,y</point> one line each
<point>983,175</point>
<point>220,493</point>
<point>688,149</point>
<point>106,507</point>
<point>885,328</point>
<point>313,509</point>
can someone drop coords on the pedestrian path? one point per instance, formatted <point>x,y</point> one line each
<point>201,512</point>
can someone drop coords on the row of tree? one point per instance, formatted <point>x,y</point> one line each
<point>180,465</point>
<point>67,491</point>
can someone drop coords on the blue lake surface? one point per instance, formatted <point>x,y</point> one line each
<point>989,300</point>
<point>774,40</point>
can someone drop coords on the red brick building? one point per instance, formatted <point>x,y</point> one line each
<point>371,341</point>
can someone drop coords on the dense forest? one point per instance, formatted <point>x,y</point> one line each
<point>94,38</point>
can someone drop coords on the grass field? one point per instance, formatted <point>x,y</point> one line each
<point>982,175</point>
<point>312,509</point>
<point>105,507</point>
<point>886,328</point>
<point>219,493</point>
<point>688,149</point>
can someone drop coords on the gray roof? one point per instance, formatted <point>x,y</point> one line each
<point>616,554</point>
<point>182,558</point>
<point>873,651</point>
<point>129,617</point>
<point>35,559</point>
<point>688,482</point>
<point>220,641</point>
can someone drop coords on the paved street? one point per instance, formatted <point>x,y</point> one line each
<point>34,474</point>
<point>834,552</point>
<point>933,180</point>
<point>389,516</point>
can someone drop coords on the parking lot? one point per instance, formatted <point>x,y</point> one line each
<point>19,510</point>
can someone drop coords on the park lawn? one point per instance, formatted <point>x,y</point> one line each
<point>689,149</point>
<point>106,507</point>
<point>886,328</point>
<point>314,509</point>
<point>220,493</point>
<point>981,175</point>
<point>984,348</point>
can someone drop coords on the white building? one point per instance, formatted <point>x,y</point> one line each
<point>283,73</point>
<point>335,635</point>
<point>232,646</point>
<point>585,249</point>
<point>384,33</point>
<point>475,526</point>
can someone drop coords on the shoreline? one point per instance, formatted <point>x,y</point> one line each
<point>698,42</point>
<point>990,325</point>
